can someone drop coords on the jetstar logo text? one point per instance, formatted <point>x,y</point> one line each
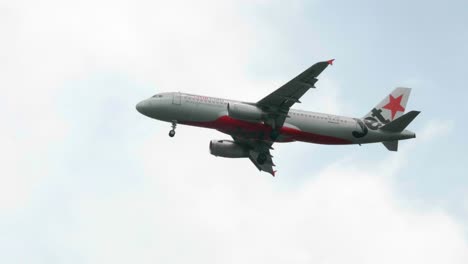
<point>373,122</point>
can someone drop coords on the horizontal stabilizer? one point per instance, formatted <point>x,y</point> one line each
<point>401,123</point>
<point>391,145</point>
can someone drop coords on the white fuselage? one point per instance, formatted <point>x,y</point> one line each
<point>210,112</point>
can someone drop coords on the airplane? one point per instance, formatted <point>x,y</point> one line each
<point>255,127</point>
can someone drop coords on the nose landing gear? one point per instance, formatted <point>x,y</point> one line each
<point>172,132</point>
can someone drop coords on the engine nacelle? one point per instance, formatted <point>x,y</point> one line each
<point>245,112</point>
<point>228,149</point>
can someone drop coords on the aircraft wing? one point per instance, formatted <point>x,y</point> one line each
<point>258,147</point>
<point>277,103</point>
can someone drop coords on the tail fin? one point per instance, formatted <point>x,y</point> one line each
<point>391,107</point>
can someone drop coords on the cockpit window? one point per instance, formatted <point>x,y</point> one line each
<point>157,96</point>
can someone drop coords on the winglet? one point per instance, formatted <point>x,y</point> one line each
<point>330,62</point>
<point>273,173</point>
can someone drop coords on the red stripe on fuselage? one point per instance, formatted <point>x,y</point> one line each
<point>261,131</point>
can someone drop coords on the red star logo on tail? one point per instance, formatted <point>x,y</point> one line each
<point>394,105</point>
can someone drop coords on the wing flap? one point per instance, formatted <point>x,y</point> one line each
<point>258,147</point>
<point>267,166</point>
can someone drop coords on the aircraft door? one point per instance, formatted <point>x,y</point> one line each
<point>176,99</point>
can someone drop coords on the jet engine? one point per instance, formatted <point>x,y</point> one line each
<point>245,112</point>
<point>228,149</point>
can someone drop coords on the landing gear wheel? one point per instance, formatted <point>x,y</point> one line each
<point>172,133</point>
<point>262,157</point>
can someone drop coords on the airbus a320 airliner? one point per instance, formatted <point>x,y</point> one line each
<point>255,127</point>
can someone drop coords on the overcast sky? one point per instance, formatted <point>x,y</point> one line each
<point>85,178</point>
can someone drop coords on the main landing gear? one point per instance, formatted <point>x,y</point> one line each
<point>172,132</point>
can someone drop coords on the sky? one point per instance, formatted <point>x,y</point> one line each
<point>85,178</point>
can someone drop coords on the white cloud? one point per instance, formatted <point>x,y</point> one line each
<point>186,206</point>
<point>432,130</point>
<point>196,207</point>
<point>51,45</point>
<point>436,128</point>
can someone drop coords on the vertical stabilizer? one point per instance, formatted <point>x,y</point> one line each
<point>391,107</point>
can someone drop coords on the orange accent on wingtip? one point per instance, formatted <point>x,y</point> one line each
<point>330,62</point>
<point>274,173</point>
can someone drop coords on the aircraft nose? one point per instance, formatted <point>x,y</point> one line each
<point>142,107</point>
